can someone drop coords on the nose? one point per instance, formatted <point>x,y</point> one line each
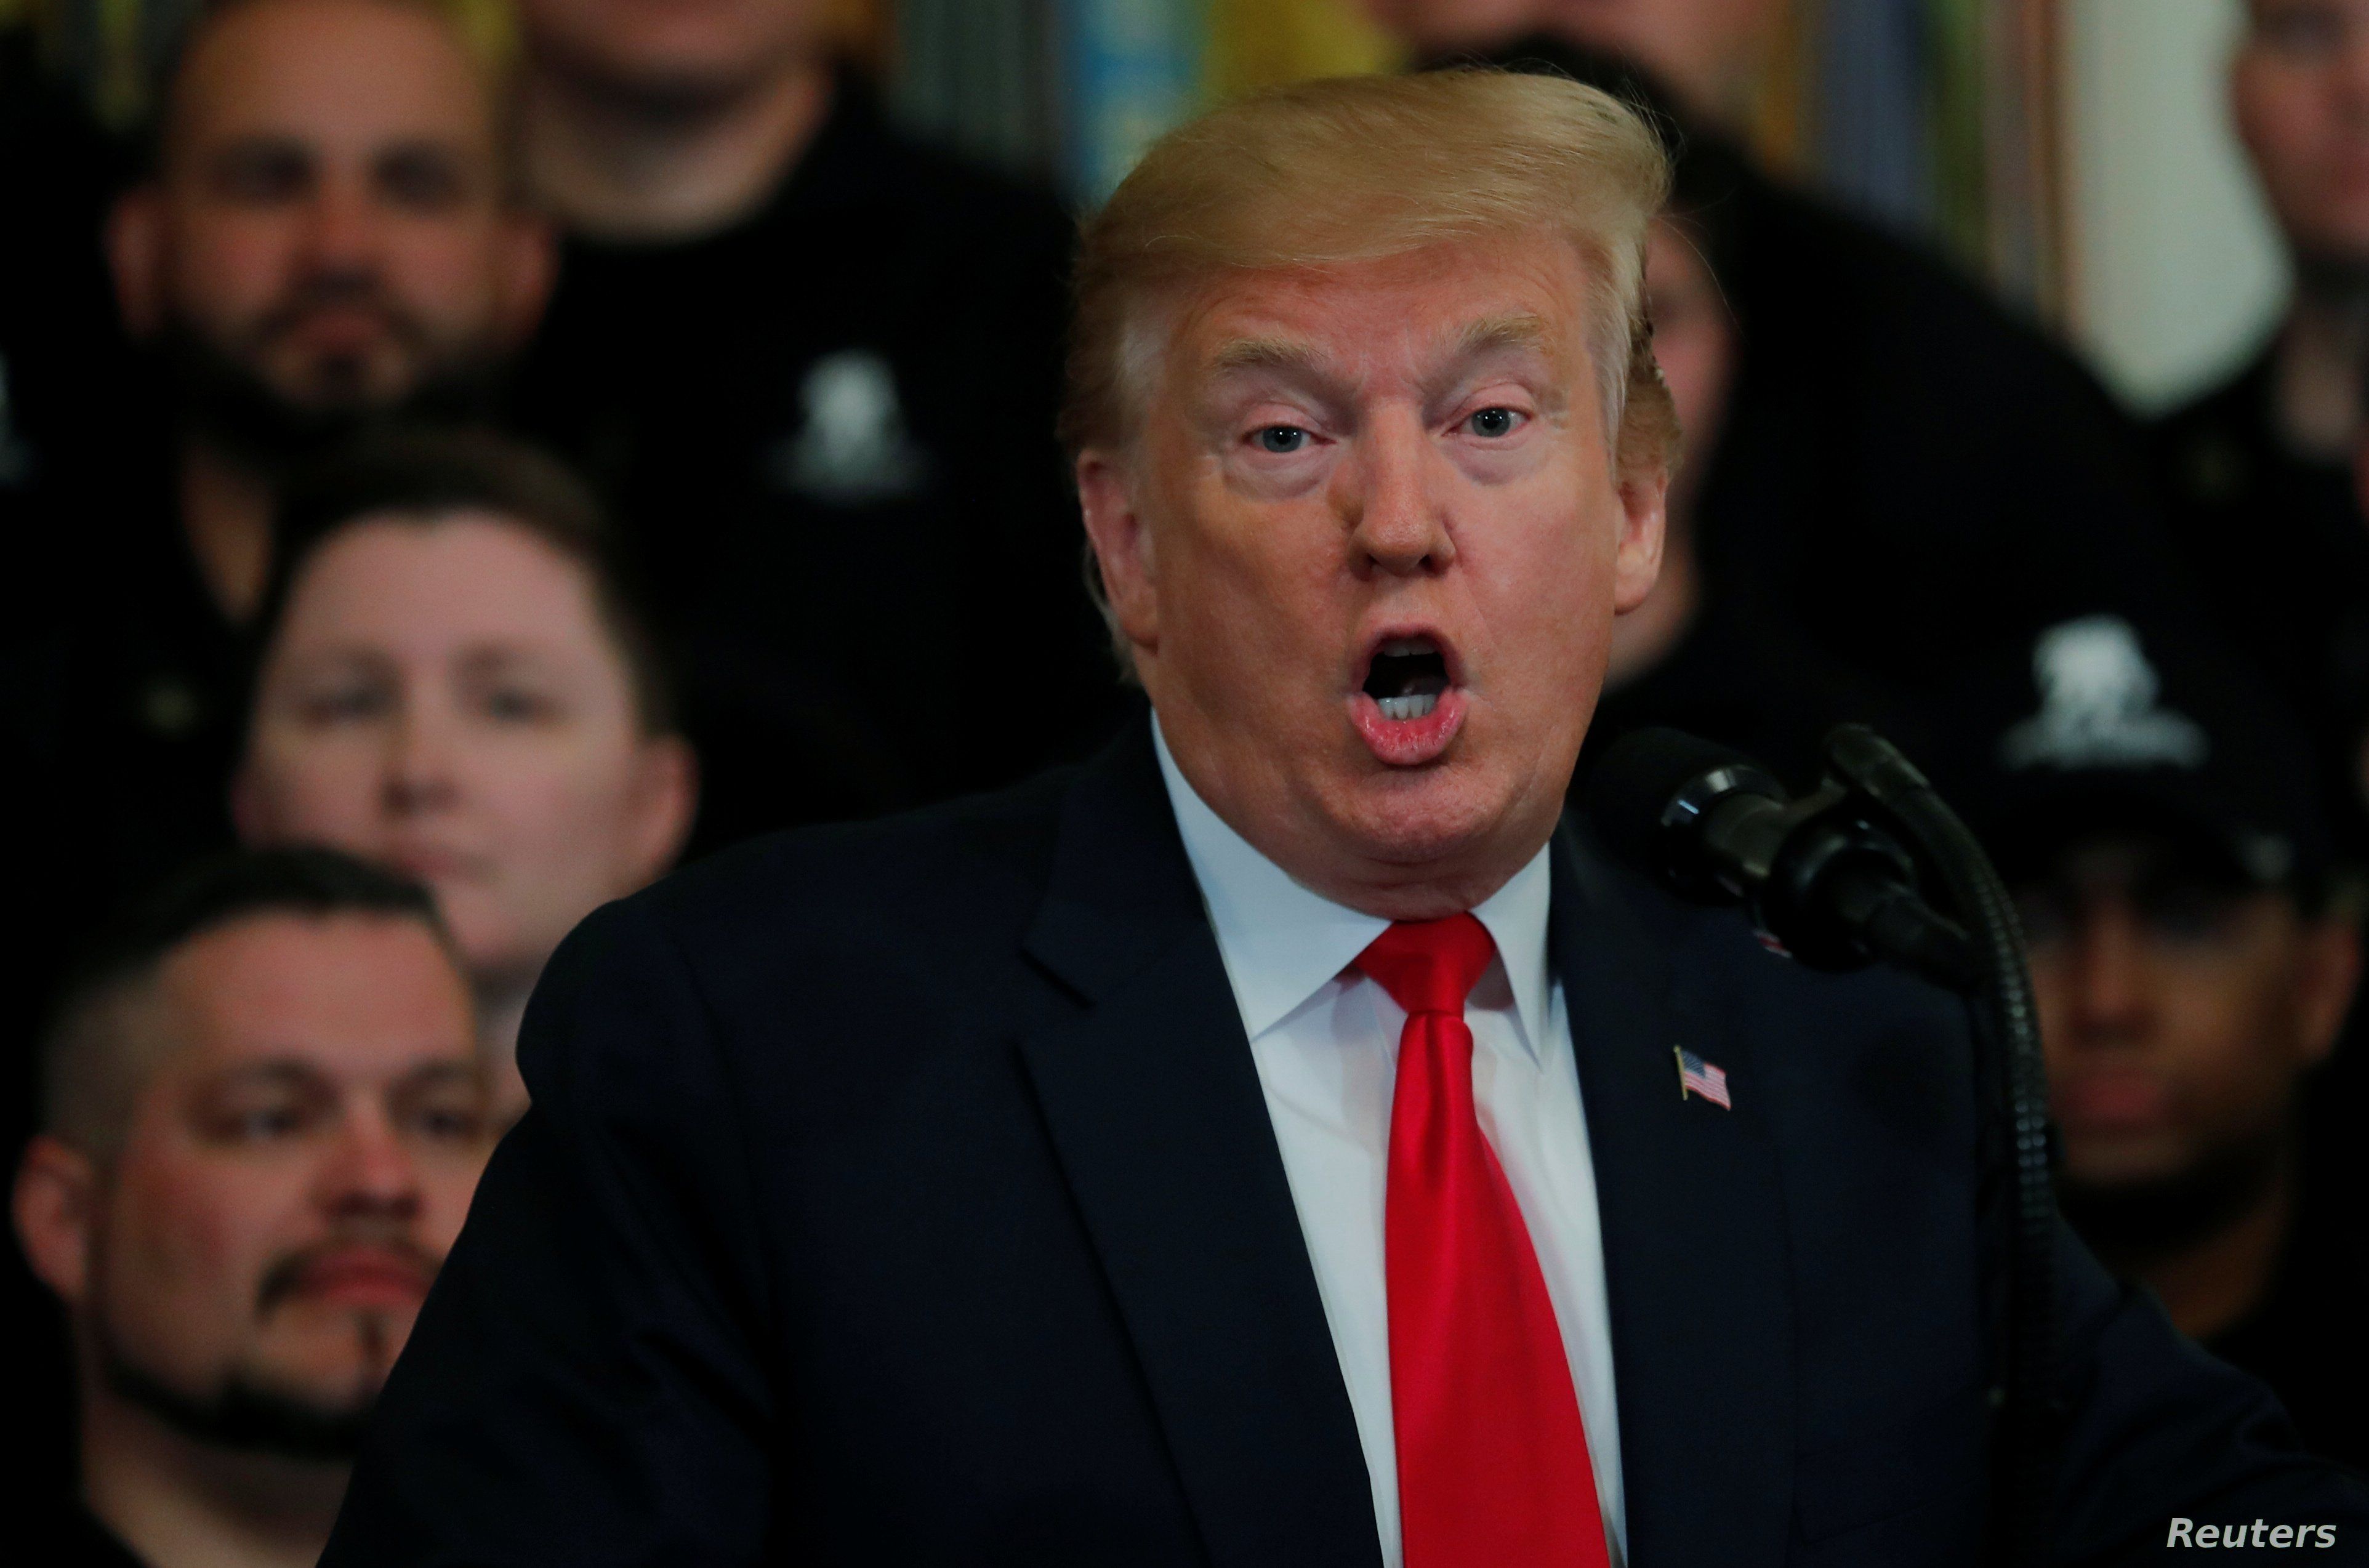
<point>369,1174</point>
<point>1392,497</point>
<point>342,235</point>
<point>2111,998</point>
<point>421,778</point>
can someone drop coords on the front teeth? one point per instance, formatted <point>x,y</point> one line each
<point>1404,708</point>
<point>1408,647</point>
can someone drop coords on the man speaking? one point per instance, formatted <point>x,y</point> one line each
<point>1276,1146</point>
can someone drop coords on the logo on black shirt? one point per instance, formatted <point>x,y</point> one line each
<point>854,447</point>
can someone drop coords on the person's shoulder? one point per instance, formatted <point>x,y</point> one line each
<point>1909,301</point>
<point>2218,453</point>
<point>906,935</point>
<point>953,189</point>
<point>69,1536</point>
<point>2233,412</point>
<point>2242,394</point>
<point>976,862</point>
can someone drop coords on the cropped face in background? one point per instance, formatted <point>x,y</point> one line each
<point>1695,343</point>
<point>1707,51</point>
<point>682,55</point>
<point>329,235</point>
<point>442,696</point>
<point>1367,544</point>
<point>2179,1011</point>
<point>2299,87</point>
<point>248,1261</point>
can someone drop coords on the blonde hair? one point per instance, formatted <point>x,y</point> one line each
<point>1367,167</point>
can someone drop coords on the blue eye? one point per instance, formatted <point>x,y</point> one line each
<point>1494,422</point>
<point>1282,438</point>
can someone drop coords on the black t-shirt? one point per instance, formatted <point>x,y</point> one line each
<point>829,433</point>
<point>67,1537</point>
<point>2276,545</point>
<point>139,684</point>
<point>1906,472</point>
<point>61,347</point>
<point>2276,541</point>
<point>2305,1339</point>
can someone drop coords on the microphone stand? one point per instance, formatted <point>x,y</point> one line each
<point>2012,1080</point>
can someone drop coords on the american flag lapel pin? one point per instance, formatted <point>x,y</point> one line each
<point>1697,1076</point>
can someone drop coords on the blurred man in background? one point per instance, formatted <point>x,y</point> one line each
<point>2262,458</point>
<point>455,684</point>
<point>263,1118</point>
<point>814,365</point>
<point>2157,819</point>
<point>325,238</point>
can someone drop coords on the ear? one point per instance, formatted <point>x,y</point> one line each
<point>527,261</point>
<point>665,804</point>
<point>1644,523</point>
<point>2329,974</point>
<point>135,256</point>
<point>1122,544</point>
<point>56,1210</point>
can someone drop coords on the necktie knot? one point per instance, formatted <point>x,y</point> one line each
<point>1429,966</point>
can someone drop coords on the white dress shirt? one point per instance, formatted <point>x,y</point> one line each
<point>1326,1042</point>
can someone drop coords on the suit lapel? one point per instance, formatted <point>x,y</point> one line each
<point>1694,1253</point>
<point>1156,1113</point>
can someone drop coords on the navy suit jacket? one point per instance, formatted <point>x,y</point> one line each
<point>904,1194</point>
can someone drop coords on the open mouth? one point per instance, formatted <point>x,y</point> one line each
<point>1410,704</point>
<point>1407,677</point>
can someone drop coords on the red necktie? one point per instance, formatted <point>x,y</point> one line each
<point>1492,1457</point>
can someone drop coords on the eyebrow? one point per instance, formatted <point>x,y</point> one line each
<point>298,1074</point>
<point>1266,354</point>
<point>501,654</point>
<point>251,145</point>
<point>280,1073</point>
<point>1487,336</point>
<point>429,1075</point>
<point>1519,331</point>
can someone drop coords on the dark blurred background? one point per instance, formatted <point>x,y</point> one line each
<point>520,444</point>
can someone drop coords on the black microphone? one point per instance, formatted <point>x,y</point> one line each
<point>1820,879</point>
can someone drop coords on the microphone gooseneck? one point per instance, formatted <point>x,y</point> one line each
<point>1836,880</point>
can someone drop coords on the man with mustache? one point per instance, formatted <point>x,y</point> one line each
<point>262,1120</point>
<point>1279,1144</point>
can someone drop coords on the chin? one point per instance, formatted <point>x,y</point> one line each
<point>2124,1160</point>
<point>1428,818</point>
<point>338,1361</point>
<point>485,934</point>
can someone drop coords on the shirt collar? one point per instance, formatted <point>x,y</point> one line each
<point>1283,942</point>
